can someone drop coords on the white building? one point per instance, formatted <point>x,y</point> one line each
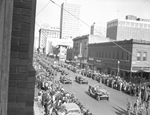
<point>98,30</point>
<point>129,28</point>
<point>45,35</point>
<point>69,23</point>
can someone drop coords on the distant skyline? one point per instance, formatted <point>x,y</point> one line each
<point>98,11</point>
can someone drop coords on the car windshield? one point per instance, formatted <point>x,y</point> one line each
<point>73,111</point>
<point>98,87</point>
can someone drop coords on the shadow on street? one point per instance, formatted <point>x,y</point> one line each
<point>120,111</point>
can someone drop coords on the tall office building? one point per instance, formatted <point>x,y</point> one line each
<point>130,28</point>
<point>69,23</point>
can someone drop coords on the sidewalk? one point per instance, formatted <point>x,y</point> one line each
<point>37,109</point>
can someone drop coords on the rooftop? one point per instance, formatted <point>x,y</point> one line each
<point>131,41</point>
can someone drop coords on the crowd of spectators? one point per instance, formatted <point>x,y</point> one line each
<point>51,95</point>
<point>139,90</point>
<point>55,95</point>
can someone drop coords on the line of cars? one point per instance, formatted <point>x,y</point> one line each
<point>95,91</point>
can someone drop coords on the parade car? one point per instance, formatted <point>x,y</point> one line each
<point>69,109</point>
<point>65,80</point>
<point>81,80</point>
<point>63,72</point>
<point>98,92</point>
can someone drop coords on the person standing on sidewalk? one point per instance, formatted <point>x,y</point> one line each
<point>129,108</point>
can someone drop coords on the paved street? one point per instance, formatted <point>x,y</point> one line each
<point>115,106</point>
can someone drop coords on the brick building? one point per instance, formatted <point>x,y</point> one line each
<point>80,47</point>
<point>128,29</point>
<point>17,75</point>
<point>80,50</point>
<point>111,58</point>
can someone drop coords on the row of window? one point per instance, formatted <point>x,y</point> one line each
<point>141,56</point>
<point>117,54</point>
<point>110,54</point>
<point>129,24</point>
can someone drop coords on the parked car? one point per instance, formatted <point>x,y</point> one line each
<point>65,80</point>
<point>81,80</point>
<point>98,92</point>
<point>69,109</point>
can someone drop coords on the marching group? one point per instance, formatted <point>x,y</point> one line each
<point>51,94</point>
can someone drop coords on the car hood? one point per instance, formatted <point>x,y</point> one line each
<point>101,91</point>
<point>74,114</point>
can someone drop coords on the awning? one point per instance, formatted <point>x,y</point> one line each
<point>141,71</point>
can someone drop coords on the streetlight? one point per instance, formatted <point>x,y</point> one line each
<point>118,68</point>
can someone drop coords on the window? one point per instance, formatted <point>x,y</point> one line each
<point>138,55</point>
<point>102,54</point>
<point>144,56</point>
<point>109,54</point>
<point>117,54</point>
<point>132,24</point>
<point>113,54</point>
<point>122,55</point>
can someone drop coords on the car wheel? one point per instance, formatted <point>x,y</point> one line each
<point>107,98</point>
<point>98,98</point>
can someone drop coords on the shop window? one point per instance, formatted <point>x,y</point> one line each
<point>144,56</point>
<point>138,55</point>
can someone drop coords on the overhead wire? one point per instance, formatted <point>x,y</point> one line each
<point>132,54</point>
<point>40,12</point>
<point>42,9</point>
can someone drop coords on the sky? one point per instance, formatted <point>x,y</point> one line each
<point>98,11</point>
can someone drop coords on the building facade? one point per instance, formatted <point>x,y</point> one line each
<point>69,23</point>
<point>130,57</point>
<point>80,50</point>
<point>80,47</point>
<point>46,36</point>
<point>128,29</point>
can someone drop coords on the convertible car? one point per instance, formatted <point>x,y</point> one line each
<point>65,80</point>
<point>69,109</point>
<point>98,92</point>
<point>81,80</point>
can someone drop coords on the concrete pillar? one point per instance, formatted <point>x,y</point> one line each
<point>6,10</point>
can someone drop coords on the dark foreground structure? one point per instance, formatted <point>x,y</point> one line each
<point>17,76</point>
